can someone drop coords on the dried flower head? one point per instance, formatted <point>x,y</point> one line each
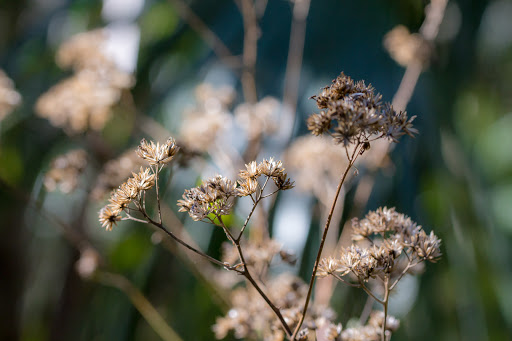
<point>259,118</point>
<point>353,113</point>
<point>9,97</point>
<point>109,217</point>
<point>213,196</point>
<point>65,171</point>
<point>390,234</point>
<point>270,168</point>
<point>157,154</point>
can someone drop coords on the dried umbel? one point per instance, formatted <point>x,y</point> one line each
<point>65,170</point>
<point>9,97</point>
<point>130,196</point>
<point>353,113</point>
<point>372,331</point>
<point>213,196</point>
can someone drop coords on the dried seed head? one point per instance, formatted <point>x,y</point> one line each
<point>108,217</point>
<point>157,154</point>
<point>353,113</point>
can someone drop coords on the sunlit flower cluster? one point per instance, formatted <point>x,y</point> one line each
<point>387,235</point>
<point>133,189</point>
<point>353,113</point>
<point>272,169</point>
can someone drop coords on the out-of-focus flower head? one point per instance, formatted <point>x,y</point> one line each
<point>65,170</point>
<point>202,124</point>
<point>84,101</point>
<point>9,97</point>
<point>259,118</point>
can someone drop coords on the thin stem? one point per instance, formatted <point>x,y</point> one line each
<point>410,265</point>
<point>370,293</point>
<point>251,33</point>
<point>247,275</point>
<point>129,217</point>
<point>157,171</point>
<point>385,304</point>
<point>341,279</point>
<point>170,234</point>
<point>215,43</point>
<point>141,303</point>
<point>237,240</point>
<point>322,242</point>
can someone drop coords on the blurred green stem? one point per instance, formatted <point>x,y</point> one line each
<point>141,303</point>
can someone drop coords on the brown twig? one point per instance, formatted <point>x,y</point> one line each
<point>352,160</point>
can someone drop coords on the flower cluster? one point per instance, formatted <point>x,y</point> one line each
<point>270,168</point>
<point>85,99</point>
<point>358,113</point>
<point>65,170</point>
<point>9,97</point>
<point>213,196</point>
<point>157,154</point>
<point>389,234</point>
<point>132,190</point>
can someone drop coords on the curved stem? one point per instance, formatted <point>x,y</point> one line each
<point>141,303</point>
<point>322,242</point>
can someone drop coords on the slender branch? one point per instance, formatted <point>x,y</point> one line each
<point>141,303</point>
<point>341,279</point>
<point>370,293</point>
<point>322,242</point>
<point>295,54</point>
<point>209,37</point>
<point>250,52</point>
<point>247,220</point>
<point>190,247</point>
<point>385,304</point>
<point>410,265</point>
<point>247,275</point>
<point>157,171</point>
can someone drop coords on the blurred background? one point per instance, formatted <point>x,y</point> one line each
<point>455,177</point>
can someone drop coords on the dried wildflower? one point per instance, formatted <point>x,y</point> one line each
<point>247,187</point>
<point>9,98</point>
<point>212,197</point>
<point>358,114</point>
<point>253,171</point>
<point>328,266</point>
<point>203,123</point>
<point>157,154</point>
<point>390,235</point>
<point>406,48</point>
<point>259,118</point>
<point>143,180</point>
<point>377,319</point>
<point>282,182</point>
<point>271,167</point>
<point>108,217</point>
<point>65,171</point>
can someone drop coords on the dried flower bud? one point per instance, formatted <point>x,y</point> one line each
<point>108,217</point>
<point>157,154</point>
